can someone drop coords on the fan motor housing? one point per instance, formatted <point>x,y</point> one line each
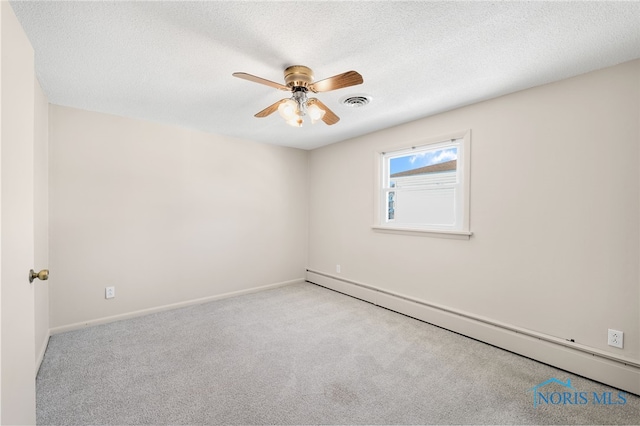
<point>298,76</point>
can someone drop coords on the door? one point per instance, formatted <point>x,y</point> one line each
<point>17,347</point>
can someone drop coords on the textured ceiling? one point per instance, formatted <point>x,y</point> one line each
<point>172,62</point>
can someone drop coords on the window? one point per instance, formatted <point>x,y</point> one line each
<point>426,187</point>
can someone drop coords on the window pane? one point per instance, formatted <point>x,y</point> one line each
<point>424,162</point>
<point>432,206</point>
<point>424,188</point>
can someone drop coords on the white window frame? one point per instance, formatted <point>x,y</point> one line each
<point>461,228</point>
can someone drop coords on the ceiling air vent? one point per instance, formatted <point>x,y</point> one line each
<point>356,101</point>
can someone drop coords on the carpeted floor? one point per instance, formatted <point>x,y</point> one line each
<point>300,354</point>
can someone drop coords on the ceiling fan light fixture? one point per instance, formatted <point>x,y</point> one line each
<point>294,109</point>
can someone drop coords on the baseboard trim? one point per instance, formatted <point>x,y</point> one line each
<point>142,312</point>
<point>620,372</point>
<point>43,349</point>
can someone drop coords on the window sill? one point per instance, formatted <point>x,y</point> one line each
<point>458,235</point>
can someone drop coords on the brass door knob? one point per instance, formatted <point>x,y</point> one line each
<point>42,275</point>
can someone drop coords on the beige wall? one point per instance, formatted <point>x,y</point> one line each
<point>554,212</point>
<point>41,219</point>
<point>166,215</point>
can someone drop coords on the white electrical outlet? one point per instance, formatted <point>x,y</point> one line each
<point>616,338</point>
<point>338,269</point>
<point>109,292</point>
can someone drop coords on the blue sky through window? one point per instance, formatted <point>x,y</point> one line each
<point>422,159</point>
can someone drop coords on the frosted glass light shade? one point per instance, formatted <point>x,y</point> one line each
<point>288,109</point>
<point>315,112</point>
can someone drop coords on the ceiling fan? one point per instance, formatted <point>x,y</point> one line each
<point>299,81</point>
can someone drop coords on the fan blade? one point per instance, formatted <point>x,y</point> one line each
<point>270,109</point>
<point>346,79</point>
<point>245,76</point>
<point>329,117</point>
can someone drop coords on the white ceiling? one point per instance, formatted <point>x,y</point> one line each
<point>171,62</point>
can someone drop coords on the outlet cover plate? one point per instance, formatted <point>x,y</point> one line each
<point>109,292</point>
<point>615,339</point>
